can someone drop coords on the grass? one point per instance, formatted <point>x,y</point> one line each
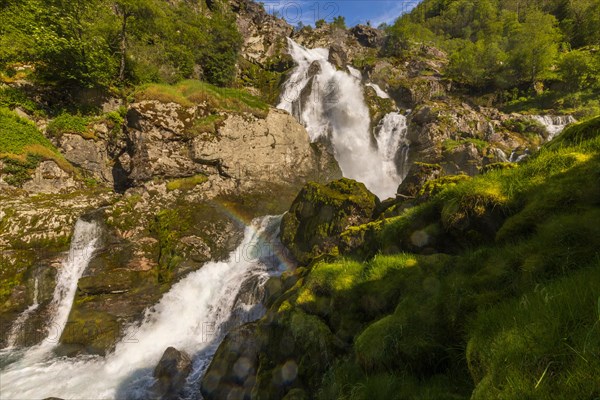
<point>189,93</point>
<point>512,312</point>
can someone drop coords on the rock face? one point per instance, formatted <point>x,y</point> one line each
<point>368,36</point>
<point>246,150</point>
<point>48,177</point>
<point>264,35</point>
<point>170,374</point>
<point>88,154</point>
<point>322,212</point>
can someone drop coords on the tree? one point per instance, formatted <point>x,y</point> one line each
<point>534,46</point>
<point>579,70</point>
<point>320,23</point>
<point>126,10</point>
<point>66,46</point>
<point>339,22</point>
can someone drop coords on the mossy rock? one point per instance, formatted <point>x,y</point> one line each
<point>113,281</point>
<point>321,212</point>
<point>418,175</point>
<point>93,332</point>
<point>379,107</point>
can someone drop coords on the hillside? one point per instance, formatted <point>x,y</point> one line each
<point>482,288</point>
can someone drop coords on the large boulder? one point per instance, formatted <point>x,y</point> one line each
<point>171,373</point>
<point>368,36</point>
<point>245,151</point>
<point>321,212</point>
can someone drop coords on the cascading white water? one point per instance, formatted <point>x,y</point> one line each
<point>379,91</point>
<point>193,316</point>
<point>354,72</point>
<point>83,245</point>
<point>330,104</point>
<point>393,145</point>
<point>17,326</point>
<point>554,124</point>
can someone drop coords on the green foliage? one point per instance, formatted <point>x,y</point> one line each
<point>67,123</point>
<point>14,97</point>
<point>18,135</point>
<point>579,69</point>
<point>339,22</point>
<point>320,23</point>
<point>100,43</point>
<point>190,92</point>
<point>504,43</point>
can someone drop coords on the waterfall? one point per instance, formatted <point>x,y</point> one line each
<point>17,326</point>
<point>392,144</point>
<point>354,72</point>
<point>554,124</point>
<point>83,245</point>
<point>331,105</point>
<point>193,316</point>
<point>378,91</point>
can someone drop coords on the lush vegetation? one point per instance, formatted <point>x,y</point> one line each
<point>95,43</point>
<point>521,49</point>
<point>495,293</point>
<point>190,92</point>
<point>22,147</point>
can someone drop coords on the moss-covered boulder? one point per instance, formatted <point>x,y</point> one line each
<point>418,175</point>
<point>378,106</point>
<point>321,212</point>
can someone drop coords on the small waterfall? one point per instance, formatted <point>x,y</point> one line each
<point>354,72</point>
<point>378,91</point>
<point>83,245</point>
<point>330,104</point>
<point>17,327</point>
<point>193,316</point>
<point>392,144</point>
<point>554,124</point>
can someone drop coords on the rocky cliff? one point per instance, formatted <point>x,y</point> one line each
<point>190,176</point>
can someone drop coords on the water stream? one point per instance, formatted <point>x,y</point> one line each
<point>193,316</point>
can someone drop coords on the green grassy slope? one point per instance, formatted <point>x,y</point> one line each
<point>500,297</point>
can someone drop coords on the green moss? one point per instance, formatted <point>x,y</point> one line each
<point>321,212</point>
<point>450,145</point>
<point>433,187</point>
<point>186,183</point>
<point>73,124</point>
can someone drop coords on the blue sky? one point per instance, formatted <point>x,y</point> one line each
<point>355,11</point>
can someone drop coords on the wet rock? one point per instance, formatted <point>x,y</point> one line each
<point>171,373</point>
<point>338,56</point>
